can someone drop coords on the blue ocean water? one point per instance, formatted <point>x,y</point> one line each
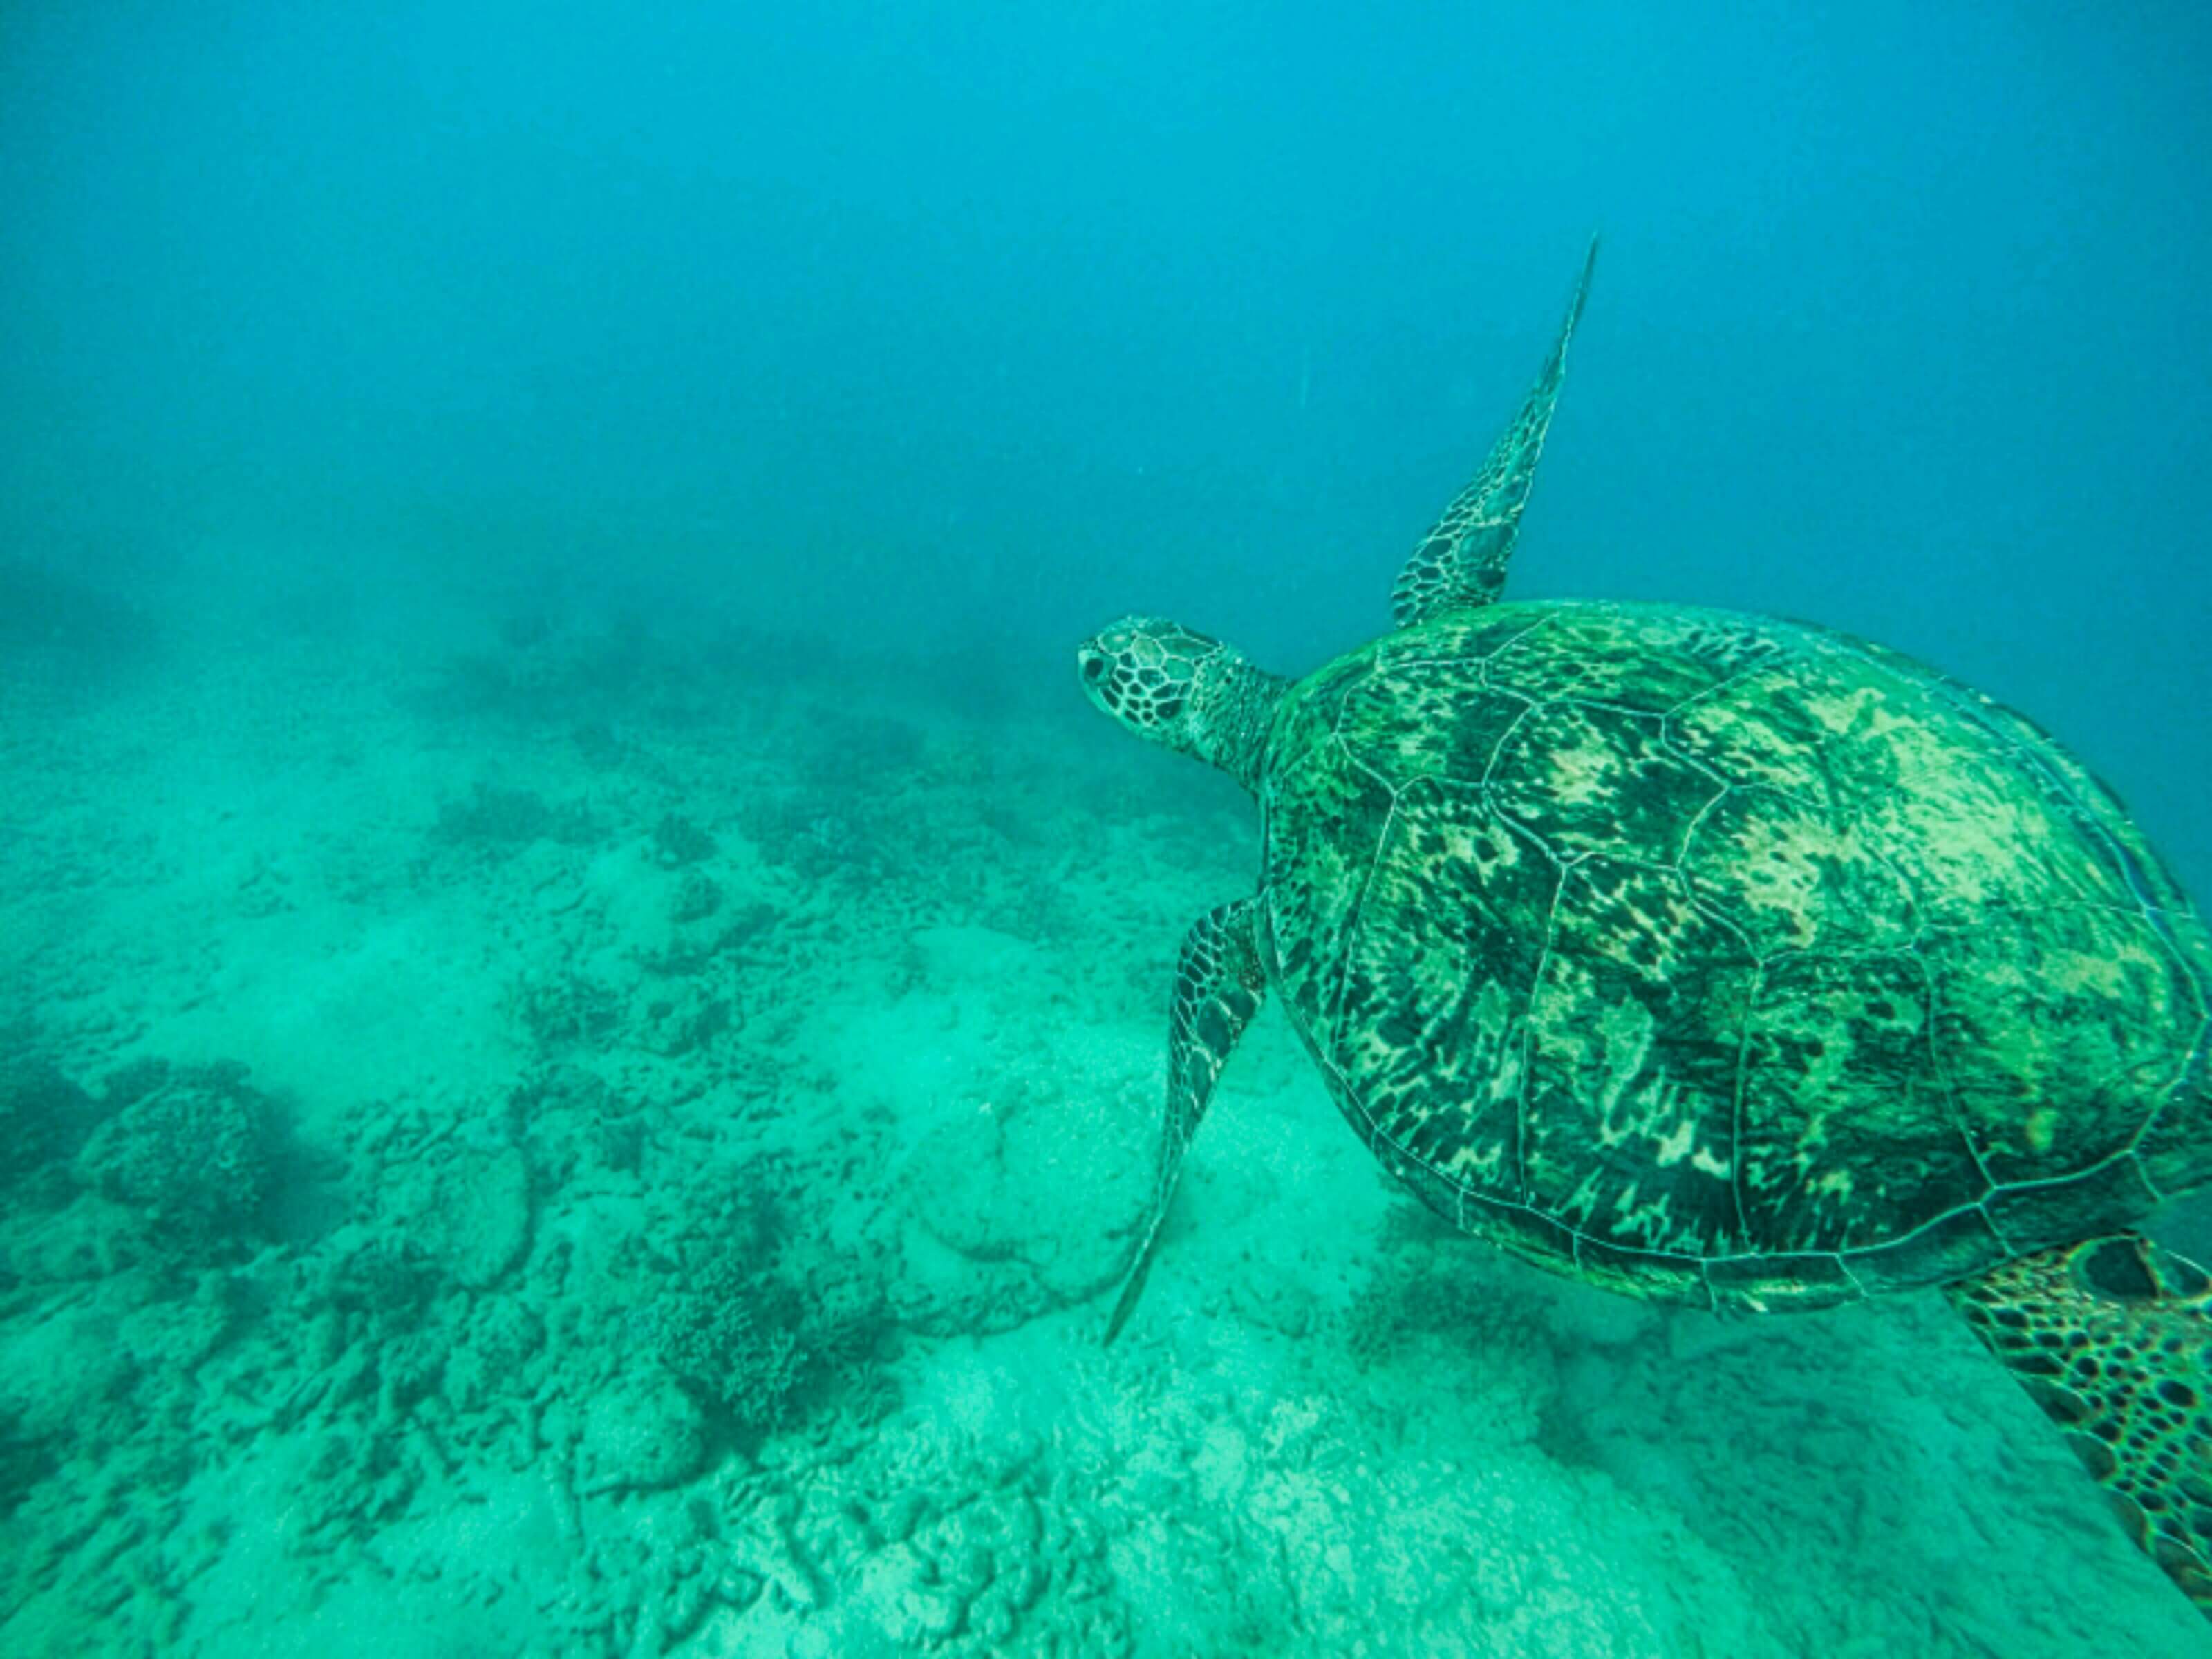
<point>583,995</point>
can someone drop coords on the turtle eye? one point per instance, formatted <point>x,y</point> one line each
<point>1094,669</point>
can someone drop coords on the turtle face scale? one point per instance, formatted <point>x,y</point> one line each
<point>1183,690</point>
<point>1142,670</point>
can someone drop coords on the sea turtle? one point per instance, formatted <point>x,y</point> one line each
<point>1719,960</point>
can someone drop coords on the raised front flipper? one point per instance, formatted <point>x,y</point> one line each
<point>2114,1338</point>
<point>1219,984</point>
<point>1461,563</point>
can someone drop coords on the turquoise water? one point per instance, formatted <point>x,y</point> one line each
<point>581,996</point>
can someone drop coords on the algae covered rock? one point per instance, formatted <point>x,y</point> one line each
<point>1012,1212</point>
<point>462,1198</point>
<point>193,1154</point>
<point>501,1355</point>
<point>642,1433</point>
<point>479,1224</point>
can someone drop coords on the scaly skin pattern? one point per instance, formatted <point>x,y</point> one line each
<point>1726,960</point>
<point>2110,1336</point>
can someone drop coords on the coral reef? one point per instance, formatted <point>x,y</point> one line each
<point>193,1154</point>
<point>764,1319</point>
<point>738,1345</point>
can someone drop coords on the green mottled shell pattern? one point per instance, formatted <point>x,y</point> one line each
<point>1725,961</point>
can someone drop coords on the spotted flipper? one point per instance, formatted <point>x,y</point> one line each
<point>2114,1338</point>
<point>1219,984</point>
<point>1461,562</point>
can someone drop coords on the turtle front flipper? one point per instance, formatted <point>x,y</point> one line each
<point>1461,562</point>
<point>2114,1338</point>
<point>1220,985</point>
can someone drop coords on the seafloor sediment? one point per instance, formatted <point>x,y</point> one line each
<point>591,1147</point>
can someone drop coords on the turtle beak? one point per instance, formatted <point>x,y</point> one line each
<point>1092,665</point>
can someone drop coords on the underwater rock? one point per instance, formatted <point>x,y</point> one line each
<point>25,1460</point>
<point>695,898</point>
<point>678,841</point>
<point>501,818</point>
<point>382,1276</point>
<point>561,1009</point>
<point>353,1480</point>
<point>910,1544</point>
<point>983,1252</point>
<point>172,1337</point>
<point>486,1219</point>
<point>44,1118</point>
<point>575,1126</point>
<point>193,1156</point>
<point>464,1208</point>
<point>684,1021</point>
<point>500,1356</point>
<point>643,1433</point>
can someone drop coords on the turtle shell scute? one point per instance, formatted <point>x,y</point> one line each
<point>1727,960</point>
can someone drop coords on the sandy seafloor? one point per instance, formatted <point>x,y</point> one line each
<point>587,1146</point>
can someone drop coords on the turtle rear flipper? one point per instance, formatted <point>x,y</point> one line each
<point>1220,985</point>
<point>2114,1338</point>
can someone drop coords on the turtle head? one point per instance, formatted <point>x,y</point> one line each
<point>1192,693</point>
